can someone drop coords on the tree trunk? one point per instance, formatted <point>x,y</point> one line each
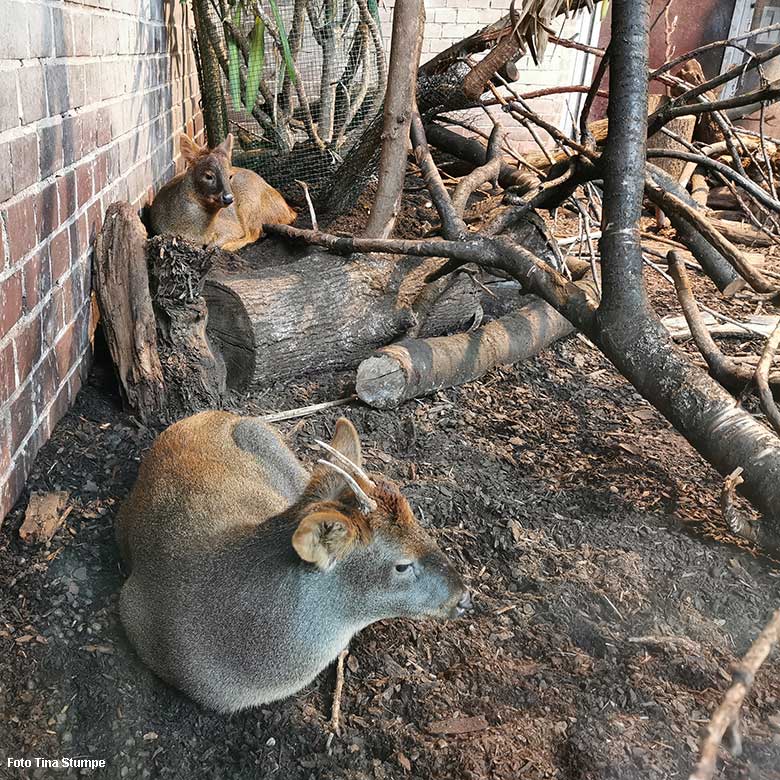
<point>122,289</point>
<point>194,372</point>
<point>628,330</point>
<point>415,367</point>
<point>408,24</point>
<point>323,312</point>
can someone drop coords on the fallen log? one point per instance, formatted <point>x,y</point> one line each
<point>323,313</point>
<point>742,233</point>
<point>757,325</point>
<point>415,367</point>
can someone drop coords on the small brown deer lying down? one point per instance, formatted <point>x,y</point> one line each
<point>214,203</point>
<point>248,575</point>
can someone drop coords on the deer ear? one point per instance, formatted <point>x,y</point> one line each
<point>347,441</point>
<point>190,151</point>
<point>322,538</point>
<point>226,147</point>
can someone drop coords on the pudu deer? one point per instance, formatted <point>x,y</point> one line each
<point>213,202</point>
<point>248,575</point>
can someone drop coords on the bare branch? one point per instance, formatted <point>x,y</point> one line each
<point>452,224</point>
<point>762,379</point>
<point>726,717</point>
<point>408,22</point>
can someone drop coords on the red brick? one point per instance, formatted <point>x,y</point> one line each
<point>74,385</point>
<point>68,309</point>
<point>83,183</point>
<point>47,211</point>
<point>37,278</point>
<point>45,382</point>
<point>72,140</point>
<point>6,179</point>
<point>49,318</point>
<point>22,416</point>
<point>89,123</point>
<point>10,302</point>
<point>101,171</point>
<point>12,488</point>
<point>50,149</point>
<point>94,220</point>
<point>66,350</point>
<point>28,347</point>
<point>59,254</point>
<point>79,237</point>
<point>58,407</point>
<point>5,452</point>
<point>7,374</point>
<point>66,191</point>
<point>20,227</point>
<point>103,128</point>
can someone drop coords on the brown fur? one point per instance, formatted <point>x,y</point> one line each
<point>192,204</point>
<point>248,575</point>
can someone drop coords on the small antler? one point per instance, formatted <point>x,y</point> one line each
<point>367,504</point>
<point>346,462</point>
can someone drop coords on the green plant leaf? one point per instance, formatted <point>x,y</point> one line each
<point>234,71</point>
<point>288,60</point>
<point>255,64</point>
<point>373,9</point>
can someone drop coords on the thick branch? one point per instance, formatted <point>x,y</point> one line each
<point>408,22</point>
<point>671,204</point>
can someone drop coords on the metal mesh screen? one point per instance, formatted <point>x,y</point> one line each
<point>297,82</point>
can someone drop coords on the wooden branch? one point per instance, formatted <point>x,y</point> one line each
<point>464,251</point>
<point>479,176</point>
<point>305,411</point>
<point>738,231</point>
<point>472,151</point>
<point>762,379</point>
<point>726,716</point>
<point>408,23</point>
<point>671,204</point>
<point>453,226</point>
<point>758,193</point>
<point>721,368</point>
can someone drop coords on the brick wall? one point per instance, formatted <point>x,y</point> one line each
<point>92,96</point>
<point>449,21</point>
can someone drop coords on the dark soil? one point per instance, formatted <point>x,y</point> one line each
<point>609,603</point>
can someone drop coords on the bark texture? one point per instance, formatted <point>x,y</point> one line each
<point>415,367</point>
<point>408,24</point>
<point>194,372</point>
<point>122,289</point>
<point>323,312</point>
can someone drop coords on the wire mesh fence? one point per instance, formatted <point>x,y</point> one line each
<point>297,82</point>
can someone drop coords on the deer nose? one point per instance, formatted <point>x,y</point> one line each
<point>464,603</point>
<point>227,198</point>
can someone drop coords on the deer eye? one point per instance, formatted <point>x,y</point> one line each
<point>403,567</point>
<point>208,176</point>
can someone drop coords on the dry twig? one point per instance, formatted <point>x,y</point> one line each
<point>725,720</point>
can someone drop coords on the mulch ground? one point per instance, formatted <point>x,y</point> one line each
<point>610,604</point>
